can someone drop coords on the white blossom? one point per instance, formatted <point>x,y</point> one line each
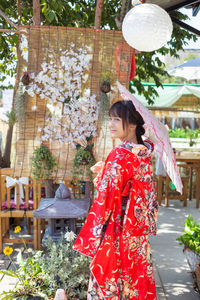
<point>71,111</point>
<point>34,107</point>
<point>24,47</point>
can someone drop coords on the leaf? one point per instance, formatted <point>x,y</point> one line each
<point>191,237</point>
<point>51,15</point>
<point>7,295</point>
<point>9,273</point>
<point>20,259</point>
<point>67,100</point>
<point>39,270</point>
<point>28,262</point>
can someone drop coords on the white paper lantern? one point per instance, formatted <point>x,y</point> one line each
<point>147,27</point>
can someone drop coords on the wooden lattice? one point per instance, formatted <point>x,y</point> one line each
<point>108,52</point>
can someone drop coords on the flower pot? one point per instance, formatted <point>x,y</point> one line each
<point>198,274</point>
<point>105,87</point>
<point>192,258</point>
<point>50,188</point>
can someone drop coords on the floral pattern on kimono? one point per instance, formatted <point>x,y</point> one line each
<point>115,234</point>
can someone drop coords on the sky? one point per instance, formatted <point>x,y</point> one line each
<point>194,22</point>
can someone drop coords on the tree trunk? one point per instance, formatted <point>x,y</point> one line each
<point>7,150</point>
<point>5,157</point>
<point>126,4</point>
<point>98,14</point>
<point>36,12</point>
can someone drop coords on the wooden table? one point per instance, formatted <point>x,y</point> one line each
<point>192,161</point>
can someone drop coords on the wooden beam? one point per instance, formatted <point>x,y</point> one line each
<point>186,26</point>
<point>16,214</point>
<point>98,14</point>
<point>195,9</point>
<point>7,19</point>
<point>36,12</point>
<point>17,241</point>
<point>182,4</point>
<point>10,31</point>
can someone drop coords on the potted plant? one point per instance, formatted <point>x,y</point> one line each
<point>184,136</point>
<point>84,160</point>
<point>43,166</point>
<point>191,241</point>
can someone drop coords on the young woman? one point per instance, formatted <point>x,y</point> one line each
<point>123,214</point>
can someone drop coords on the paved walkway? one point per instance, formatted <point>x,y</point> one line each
<point>173,277</point>
<point>175,280</point>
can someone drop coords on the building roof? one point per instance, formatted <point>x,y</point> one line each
<point>169,94</point>
<point>170,5</point>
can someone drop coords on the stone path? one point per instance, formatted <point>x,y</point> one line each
<point>172,268</point>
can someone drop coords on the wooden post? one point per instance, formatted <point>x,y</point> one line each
<point>36,12</point>
<point>19,12</point>
<point>198,188</point>
<point>98,14</point>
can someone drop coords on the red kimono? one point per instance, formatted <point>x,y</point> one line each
<point>116,231</point>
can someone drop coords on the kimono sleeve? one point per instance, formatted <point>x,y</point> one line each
<point>107,199</point>
<point>141,213</point>
<point>146,209</point>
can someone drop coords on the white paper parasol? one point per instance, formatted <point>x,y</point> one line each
<point>158,133</point>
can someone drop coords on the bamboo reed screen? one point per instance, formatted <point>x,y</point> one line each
<point>109,54</point>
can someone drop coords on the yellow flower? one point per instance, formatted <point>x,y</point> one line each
<point>17,229</point>
<point>7,250</point>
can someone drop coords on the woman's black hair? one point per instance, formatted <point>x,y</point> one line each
<point>126,111</point>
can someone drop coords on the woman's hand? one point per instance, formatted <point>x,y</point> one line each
<point>97,167</point>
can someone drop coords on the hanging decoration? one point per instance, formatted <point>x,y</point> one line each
<point>55,73</point>
<point>147,27</point>
<point>133,66</point>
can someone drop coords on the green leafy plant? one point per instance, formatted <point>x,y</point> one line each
<point>185,133</point>
<point>64,267</point>
<point>43,272</point>
<point>43,163</point>
<point>191,237</point>
<point>28,276</point>
<point>83,160</point>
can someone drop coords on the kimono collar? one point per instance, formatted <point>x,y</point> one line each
<point>138,149</point>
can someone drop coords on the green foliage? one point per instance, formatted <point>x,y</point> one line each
<point>81,14</point>
<point>43,272</point>
<point>29,279</point>
<point>191,237</point>
<point>184,133</point>
<point>11,117</point>
<point>83,161</point>
<point>62,267</point>
<point>43,163</point>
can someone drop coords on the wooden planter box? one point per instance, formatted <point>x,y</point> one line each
<point>182,143</point>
